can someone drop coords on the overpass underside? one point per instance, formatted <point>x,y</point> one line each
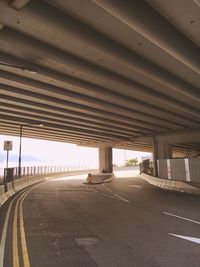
<point>121,74</point>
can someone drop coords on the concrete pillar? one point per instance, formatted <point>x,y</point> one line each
<point>164,150</point>
<point>105,159</point>
<point>161,150</point>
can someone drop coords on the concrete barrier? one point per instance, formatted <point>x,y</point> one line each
<point>24,182</point>
<point>101,178</point>
<point>3,196</point>
<point>171,184</point>
<point>16,185</point>
<point>10,190</point>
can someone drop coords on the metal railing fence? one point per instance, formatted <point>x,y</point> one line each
<point>41,170</point>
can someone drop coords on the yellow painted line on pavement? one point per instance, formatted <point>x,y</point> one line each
<point>4,233</point>
<point>23,236</point>
<point>15,245</point>
<point>15,236</point>
<point>22,230</point>
<point>18,207</point>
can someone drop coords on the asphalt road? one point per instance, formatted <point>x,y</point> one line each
<point>63,223</point>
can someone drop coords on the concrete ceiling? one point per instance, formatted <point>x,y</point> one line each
<point>96,71</point>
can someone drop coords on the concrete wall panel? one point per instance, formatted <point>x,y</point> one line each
<point>194,165</point>
<point>178,169</point>
<point>162,168</point>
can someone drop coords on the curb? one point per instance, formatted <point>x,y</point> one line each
<point>173,185</point>
<point>104,180</point>
<point>16,186</point>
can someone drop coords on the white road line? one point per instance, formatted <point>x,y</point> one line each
<point>4,233</point>
<point>83,184</point>
<point>114,196</point>
<point>137,186</point>
<point>92,189</point>
<point>183,218</point>
<point>189,238</point>
<point>119,197</point>
<point>107,188</point>
<point>106,195</point>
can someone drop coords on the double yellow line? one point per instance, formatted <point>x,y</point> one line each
<point>19,232</point>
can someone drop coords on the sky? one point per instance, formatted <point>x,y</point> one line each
<point>62,153</point>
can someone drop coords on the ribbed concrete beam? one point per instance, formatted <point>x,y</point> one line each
<point>1,25</point>
<point>180,137</point>
<point>69,129</point>
<point>185,16</point>
<point>92,83</point>
<point>119,121</point>
<point>100,94</point>
<point>63,119</point>
<point>113,143</point>
<point>117,112</point>
<point>83,36</point>
<point>47,131</point>
<point>57,122</point>
<point>197,2</point>
<point>187,136</point>
<point>40,136</point>
<point>146,21</point>
<point>18,4</point>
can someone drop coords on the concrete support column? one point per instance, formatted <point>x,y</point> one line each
<point>105,159</point>
<point>161,150</point>
<point>164,150</point>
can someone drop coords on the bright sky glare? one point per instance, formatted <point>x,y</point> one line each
<point>63,153</point>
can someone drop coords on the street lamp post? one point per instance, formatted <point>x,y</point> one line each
<point>20,151</point>
<point>20,143</point>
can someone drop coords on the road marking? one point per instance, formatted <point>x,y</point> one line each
<point>92,189</point>
<point>107,188</point>
<point>22,234</point>
<point>15,236</point>
<point>183,218</point>
<point>114,196</point>
<point>119,197</point>
<point>137,186</point>
<point>189,238</point>
<point>4,233</point>
<point>83,184</point>
<point>15,230</point>
<point>106,195</point>
<point>22,231</point>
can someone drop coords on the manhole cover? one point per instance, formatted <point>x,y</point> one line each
<point>87,241</point>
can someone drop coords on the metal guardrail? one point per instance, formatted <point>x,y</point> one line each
<point>40,170</point>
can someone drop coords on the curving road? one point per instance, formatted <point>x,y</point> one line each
<point>125,223</point>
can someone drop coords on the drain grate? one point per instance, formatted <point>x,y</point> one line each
<point>87,241</point>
